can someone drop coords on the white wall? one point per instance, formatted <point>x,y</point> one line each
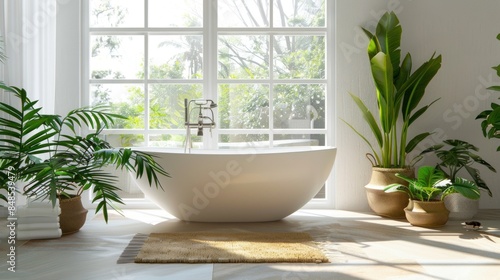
<point>464,33</point>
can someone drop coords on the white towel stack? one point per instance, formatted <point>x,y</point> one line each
<point>38,220</point>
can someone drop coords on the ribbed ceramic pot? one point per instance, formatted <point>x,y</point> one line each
<point>73,214</point>
<point>461,207</point>
<point>427,213</point>
<point>387,204</point>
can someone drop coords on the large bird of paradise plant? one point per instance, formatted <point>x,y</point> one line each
<point>398,94</point>
<point>48,152</point>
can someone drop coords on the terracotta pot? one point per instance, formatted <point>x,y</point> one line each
<point>460,207</point>
<point>427,213</point>
<point>73,214</point>
<point>385,204</point>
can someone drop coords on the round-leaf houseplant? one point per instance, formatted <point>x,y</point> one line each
<point>427,192</point>
<point>455,157</point>
<point>48,152</point>
<point>399,91</point>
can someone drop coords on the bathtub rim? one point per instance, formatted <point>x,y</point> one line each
<point>240,151</point>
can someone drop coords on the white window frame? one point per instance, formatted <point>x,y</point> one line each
<point>210,81</point>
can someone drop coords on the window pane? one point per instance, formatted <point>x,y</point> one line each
<point>243,106</point>
<point>126,100</point>
<point>243,13</point>
<point>116,13</point>
<point>289,140</point>
<point>299,106</point>
<point>166,104</point>
<point>176,57</point>
<point>126,182</point>
<point>126,140</point>
<point>299,57</point>
<point>243,57</point>
<point>243,141</point>
<point>173,140</point>
<point>299,13</point>
<point>175,13</point>
<point>116,57</point>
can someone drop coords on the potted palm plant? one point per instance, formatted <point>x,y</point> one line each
<point>490,123</point>
<point>427,191</point>
<point>48,153</point>
<point>456,156</point>
<point>399,91</point>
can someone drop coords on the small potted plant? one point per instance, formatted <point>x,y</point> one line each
<point>457,156</point>
<point>427,191</point>
<point>57,163</point>
<point>398,92</point>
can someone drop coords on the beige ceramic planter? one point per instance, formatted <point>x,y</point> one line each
<point>73,214</point>
<point>385,204</point>
<point>427,213</point>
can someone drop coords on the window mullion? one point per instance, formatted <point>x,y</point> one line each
<point>146,73</point>
<point>210,64</point>
<point>271,87</point>
<point>146,87</point>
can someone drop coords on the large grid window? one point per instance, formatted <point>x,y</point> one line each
<point>264,62</point>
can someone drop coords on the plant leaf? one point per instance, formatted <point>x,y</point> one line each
<point>368,117</point>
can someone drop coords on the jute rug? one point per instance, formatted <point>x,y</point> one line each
<point>215,247</point>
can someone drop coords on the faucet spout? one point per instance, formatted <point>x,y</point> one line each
<point>200,105</point>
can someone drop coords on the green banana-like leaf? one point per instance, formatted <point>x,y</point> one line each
<point>375,153</point>
<point>497,69</point>
<point>419,112</point>
<point>495,88</point>
<point>373,45</point>
<point>416,85</point>
<point>413,143</point>
<point>404,74</point>
<point>388,33</point>
<point>368,117</point>
<point>382,73</point>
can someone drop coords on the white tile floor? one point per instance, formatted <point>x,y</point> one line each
<point>359,246</point>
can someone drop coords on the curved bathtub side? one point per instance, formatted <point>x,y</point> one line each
<point>239,187</point>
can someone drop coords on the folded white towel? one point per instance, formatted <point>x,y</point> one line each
<point>38,234</point>
<point>29,212</point>
<point>37,226</point>
<point>37,219</point>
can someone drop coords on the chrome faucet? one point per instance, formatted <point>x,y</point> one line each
<point>202,121</point>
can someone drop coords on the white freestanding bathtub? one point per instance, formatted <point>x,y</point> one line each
<point>250,185</point>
